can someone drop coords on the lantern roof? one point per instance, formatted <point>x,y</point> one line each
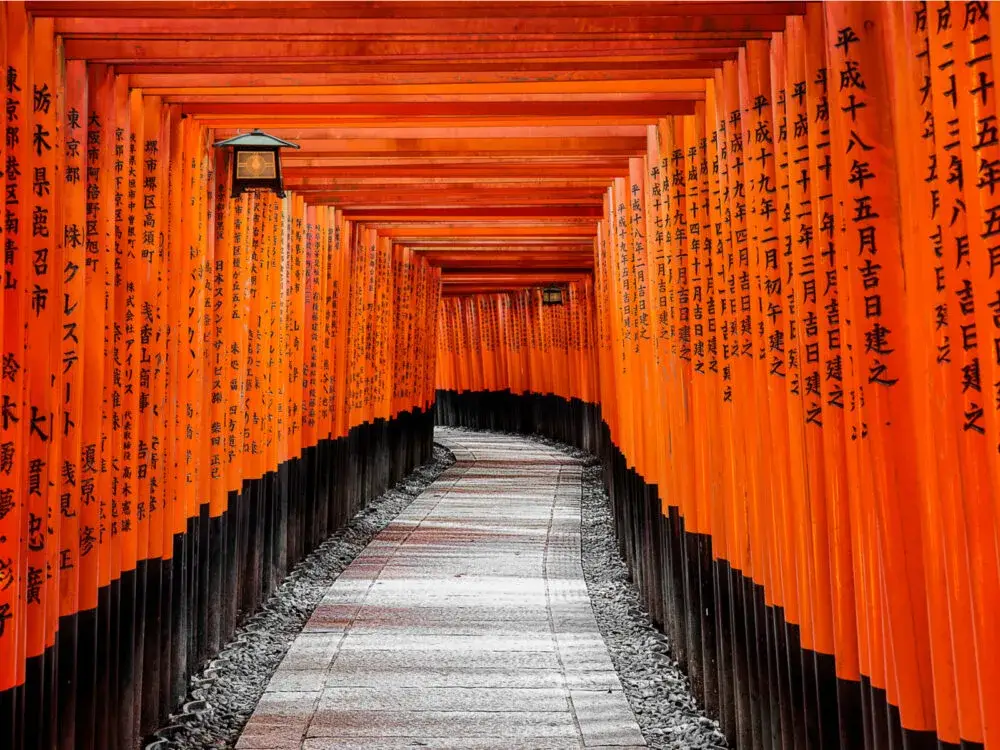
<point>256,138</point>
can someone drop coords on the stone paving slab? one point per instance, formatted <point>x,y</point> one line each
<point>465,624</point>
<point>485,723</point>
<point>450,659</point>
<point>437,743</point>
<point>496,679</point>
<point>449,743</point>
<point>497,628</point>
<point>444,699</point>
<point>458,643</point>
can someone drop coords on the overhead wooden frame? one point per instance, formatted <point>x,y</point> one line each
<point>455,128</point>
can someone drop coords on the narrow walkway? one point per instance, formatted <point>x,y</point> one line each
<point>464,624</point>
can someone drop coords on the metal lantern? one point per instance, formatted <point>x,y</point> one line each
<point>552,295</point>
<point>256,161</point>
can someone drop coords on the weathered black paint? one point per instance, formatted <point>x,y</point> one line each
<point>116,672</point>
<point>746,663</point>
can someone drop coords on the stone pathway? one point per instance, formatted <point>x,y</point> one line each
<point>465,624</point>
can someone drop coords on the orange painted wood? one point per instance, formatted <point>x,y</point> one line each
<point>307,9</point>
<point>116,50</point>
<point>485,26</point>
<point>73,116</point>
<point>423,74</point>
<point>697,173</point>
<point>650,108</point>
<point>42,287</point>
<point>14,384</point>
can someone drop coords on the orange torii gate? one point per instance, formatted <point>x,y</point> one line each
<point>182,372</point>
<point>775,226</point>
<point>796,322</point>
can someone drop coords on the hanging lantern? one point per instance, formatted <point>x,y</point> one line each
<point>552,295</point>
<point>256,162</point>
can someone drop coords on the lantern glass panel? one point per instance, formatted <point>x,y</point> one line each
<point>256,165</point>
<point>552,295</point>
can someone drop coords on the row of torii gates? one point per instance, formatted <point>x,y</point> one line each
<point>744,252</point>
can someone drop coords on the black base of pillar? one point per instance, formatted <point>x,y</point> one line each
<point>746,663</point>
<point>116,672</point>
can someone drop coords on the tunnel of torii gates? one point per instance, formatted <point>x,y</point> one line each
<point>776,227</point>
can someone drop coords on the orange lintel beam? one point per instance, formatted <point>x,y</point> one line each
<point>404,9</point>
<point>416,47</point>
<point>486,27</point>
<point>476,196</point>
<point>215,77</point>
<point>607,68</point>
<point>509,131</point>
<point>373,204</point>
<point>503,277</point>
<point>614,164</point>
<point>479,257</point>
<point>467,290</point>
<point>410,201</point>
<point>417,213</point>
<point>540,151</point>
<point>476,247</point>
<point>327,34</point>
<point>115,49</point>
<point>303,179</point>
<point>422,42</point>
<point>652,108</point>
<point>497,240</point>
<point>520,267</point>
<point>480,197</point>
<point>652,86</point>
<point>407,205</point>
<point>272,122</point>
<point>512,262</point>
<point>419,232</point>
<point>484,185</point>
<point>534,273</point>
<point>459,172</point>
<point>488,244</point>
<point>502,225</point>
<point>407,146</point>
<point>416,200</point>
<point>509,169</point>
<point>588,60</point>
<point>596,160</point>
<point>263,97</point>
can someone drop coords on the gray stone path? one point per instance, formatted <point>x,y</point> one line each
<point>465,624</point>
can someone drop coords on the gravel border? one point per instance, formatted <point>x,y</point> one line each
<point>656,688</point>
<point>225,692</point>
